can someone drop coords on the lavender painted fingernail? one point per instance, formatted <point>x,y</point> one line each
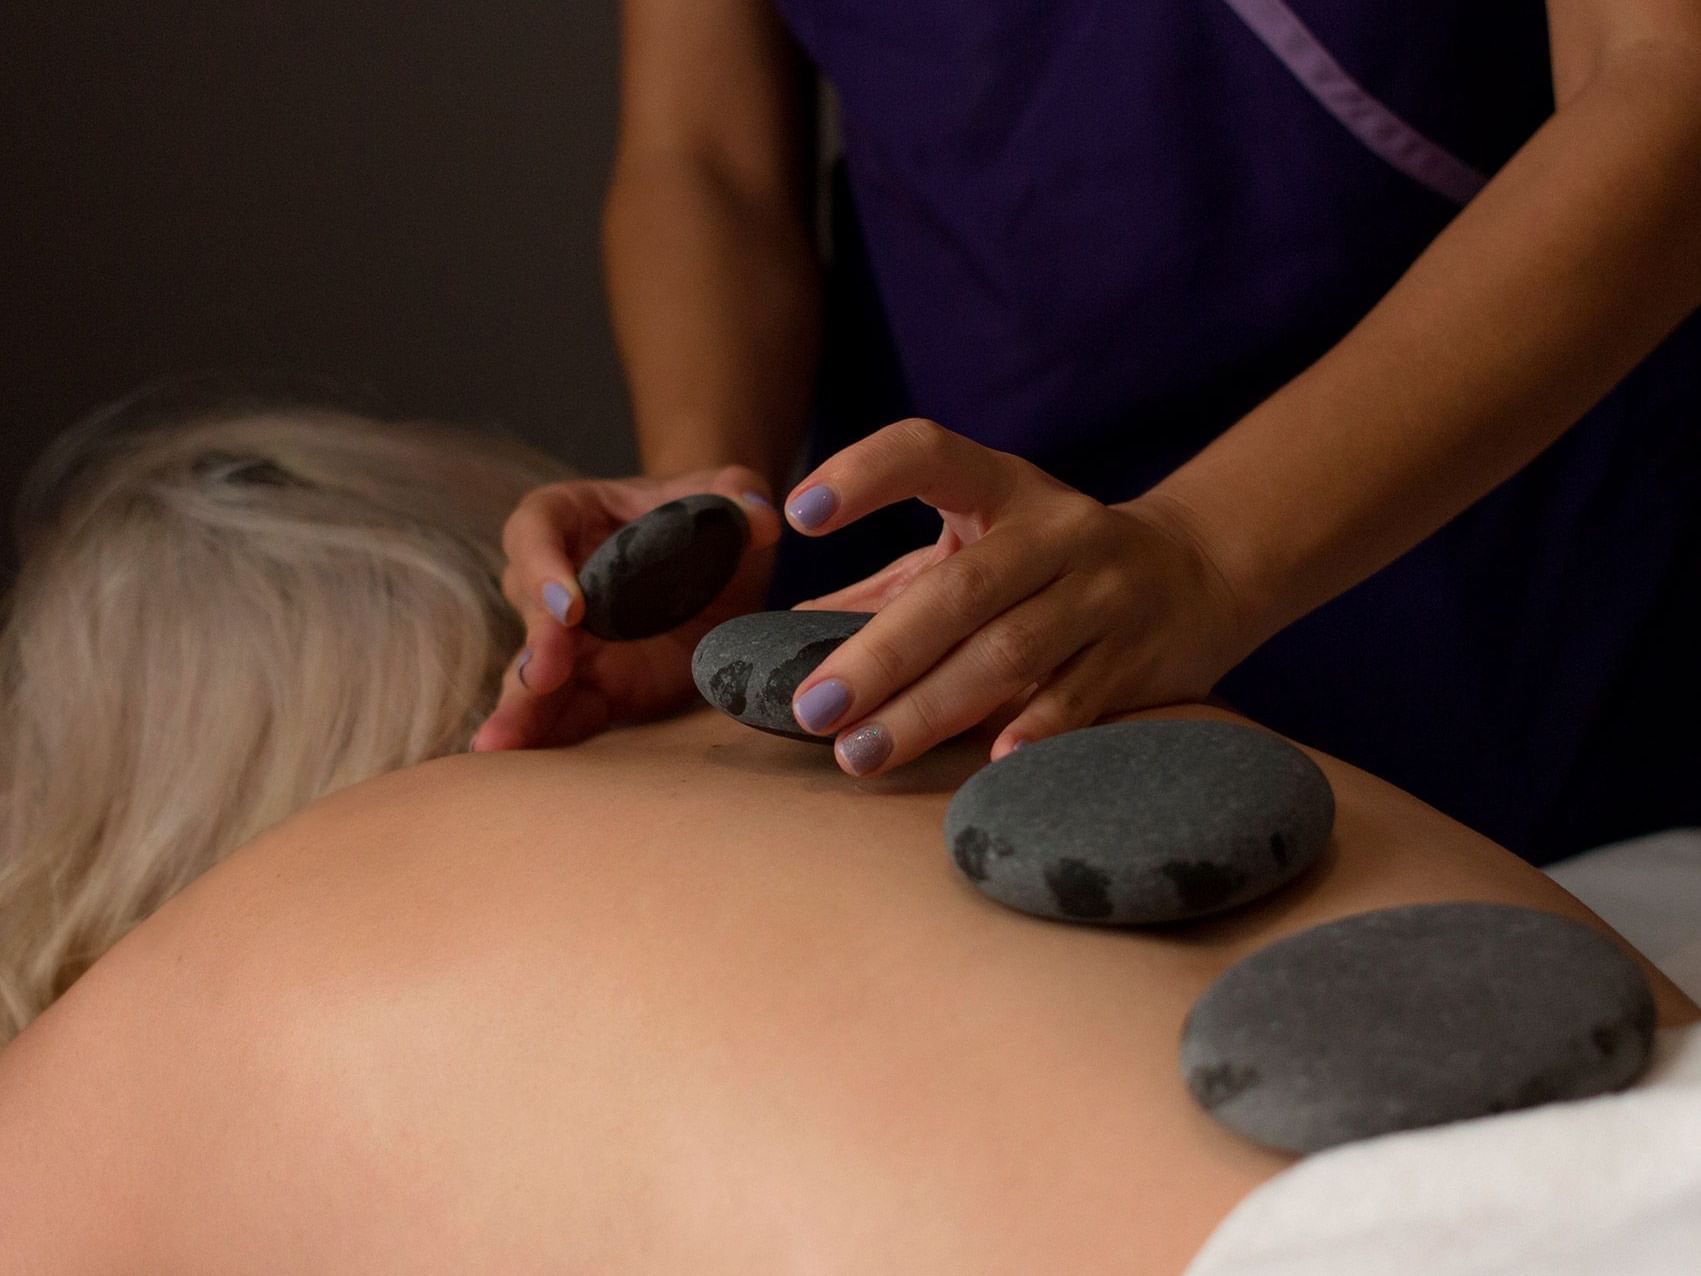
<point>814,507</point>
<point>758,500</point>
<point>866,748</point>
<point>520,668</point>
<point>556,600</point>
<point>822,705</point>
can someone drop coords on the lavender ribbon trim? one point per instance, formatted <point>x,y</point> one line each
<point>1367,119</point>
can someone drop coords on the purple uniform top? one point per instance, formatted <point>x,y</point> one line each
<point>1095,234</point>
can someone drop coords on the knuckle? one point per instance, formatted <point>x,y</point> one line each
<point>919,432</point>
<point>530,517</point>
<point>908,442</point>
<point>513,530</point>
<point>1071,514</point>
<point>1011,651</point>
<point>965,584</point>
<point>932,715</point>
<point>1065,705</point>
<point>881,652</point>
<point>1104,594</point>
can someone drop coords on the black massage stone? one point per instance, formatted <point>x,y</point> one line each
<point>660,570</point>
<point>1141,822</point>
<point>1411,1017</point>
<point>751,666</point>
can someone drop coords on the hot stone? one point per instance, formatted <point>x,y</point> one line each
<point>750,667</point>
<point>661,569</point>
<point>1141,822</point>
<point>1415,1016</point>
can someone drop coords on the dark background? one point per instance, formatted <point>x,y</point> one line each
<point>400,198</point>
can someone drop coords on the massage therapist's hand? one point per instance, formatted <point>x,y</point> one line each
<point>1106,608</point>
<point>565,685</point>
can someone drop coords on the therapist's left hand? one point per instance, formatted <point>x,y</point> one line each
<point>1105,608</point>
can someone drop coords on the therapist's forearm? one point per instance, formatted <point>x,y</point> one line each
<point>1564,273</point>
<point>716,301</point>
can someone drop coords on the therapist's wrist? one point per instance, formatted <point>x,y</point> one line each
<point>1248,600</point>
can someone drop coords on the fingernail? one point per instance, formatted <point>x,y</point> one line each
<point>758,500</point>
<point>822,705</point>
<point>557,598</point>
<point>1018,743</point>
<point>814,507</point>
<point>520,669</point>
<point>866,748</point>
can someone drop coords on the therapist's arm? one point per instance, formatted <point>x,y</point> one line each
<point>1565,272</point>
<point>1567,269</point>
<point>713,278</point>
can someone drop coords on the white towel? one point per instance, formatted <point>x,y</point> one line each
<point>1648,890</point>
<point>1604,1187</point>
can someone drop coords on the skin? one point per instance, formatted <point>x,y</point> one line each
<point>1452,384</point>
<point>600,1010</point>
<point>715,296</point>
<point>1030,582</point>
<point>1565,272</point>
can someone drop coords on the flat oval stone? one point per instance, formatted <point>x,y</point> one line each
<point>661,569</point>
<point>1414,1016</point>
<point>750,667</point>
<point>1141,822</point>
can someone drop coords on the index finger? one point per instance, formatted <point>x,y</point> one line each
<point>916,459</point>
<point>542,578</point>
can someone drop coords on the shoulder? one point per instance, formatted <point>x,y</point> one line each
<point>67,1125</point>
<point>224,1052</point>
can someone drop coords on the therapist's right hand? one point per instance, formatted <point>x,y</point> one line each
<point>565,685</point>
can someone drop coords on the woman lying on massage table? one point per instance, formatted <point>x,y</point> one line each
<point>681,998</point>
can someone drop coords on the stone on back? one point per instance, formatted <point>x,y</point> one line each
<point>1415,1016</point>
<point>1141,822</point>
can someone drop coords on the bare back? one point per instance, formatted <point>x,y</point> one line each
<point>683,998</point>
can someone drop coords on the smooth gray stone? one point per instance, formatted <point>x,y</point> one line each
<point>661,569</point>
<point>1141,822</point>
<point>750,667</point>
<point>1411,1017</point>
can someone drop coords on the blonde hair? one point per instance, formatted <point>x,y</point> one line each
<point>216,622</point>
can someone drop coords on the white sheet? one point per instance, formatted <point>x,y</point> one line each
<point>1611,1186</point>
<point>1648,890</point>
<point>1605,1187</point>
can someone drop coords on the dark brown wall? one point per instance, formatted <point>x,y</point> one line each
<point>401,197</point>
